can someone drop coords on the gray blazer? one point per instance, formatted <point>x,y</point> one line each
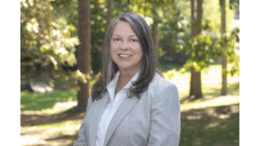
<point>152,120</point>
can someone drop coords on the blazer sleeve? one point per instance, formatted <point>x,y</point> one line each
<point>81,136</point>
<point>165,117</point>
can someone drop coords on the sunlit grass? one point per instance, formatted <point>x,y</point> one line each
<point>209,103</point>
<point>70,123</point>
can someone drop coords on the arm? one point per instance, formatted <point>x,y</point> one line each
<point>165,118</point>
<point>81,137</point>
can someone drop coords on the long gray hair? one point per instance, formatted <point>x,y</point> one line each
<point>148,61</point>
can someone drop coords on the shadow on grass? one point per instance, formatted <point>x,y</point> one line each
<point>72,138</point>
<point>200,127</point>
<point>41,119</point>
<point>212,126</point>
<point>210,133</point>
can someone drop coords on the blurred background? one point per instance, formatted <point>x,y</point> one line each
<point>197,48</point>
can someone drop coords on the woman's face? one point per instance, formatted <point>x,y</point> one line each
<point>125,48</point>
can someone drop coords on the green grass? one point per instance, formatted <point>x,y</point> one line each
<point>210,133</point>
<point>216,90</point>
<point>42,102</point>
<point>39,102</point>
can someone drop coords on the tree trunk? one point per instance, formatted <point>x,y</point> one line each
<point>224,58</point>
<point>155,38</point>
<point>109,13</point>
<point>83,51</point>
<point>195,84</point>
<point>195,81</point>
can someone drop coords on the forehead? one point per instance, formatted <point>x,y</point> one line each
<point>123,28</point>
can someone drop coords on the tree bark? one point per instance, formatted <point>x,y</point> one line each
<point>195,81</point>
<point>155,38</point>
<point>224,58</point>
<point>195,84</point>
<point>109,13</point>
<point>83,51</point>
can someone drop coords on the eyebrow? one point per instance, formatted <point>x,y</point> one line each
<point>128,36</point>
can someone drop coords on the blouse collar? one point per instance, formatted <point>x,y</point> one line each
<point>112,85</point>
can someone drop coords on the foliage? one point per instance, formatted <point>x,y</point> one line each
<point>68,9</point>
<point>204,50</point>
<point>42,21</point>
<point>45,40</point>
<point>169,74</point>
<point>207,47</point>
<point>173,34</point>
<point>200,49</point>
<point>230,41</point>
<point>175,31</point>
<point>212,14</point>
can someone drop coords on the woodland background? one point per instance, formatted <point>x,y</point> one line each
<point>197,47</point>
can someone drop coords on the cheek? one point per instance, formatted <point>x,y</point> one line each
<point>140,53</point>
<point>112,49</point>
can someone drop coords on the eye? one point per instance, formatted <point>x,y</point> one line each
<point>116,39</point>
<point>134,40</point>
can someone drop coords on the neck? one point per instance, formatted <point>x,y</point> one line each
<point>124,78</point>
<point>127,75</point>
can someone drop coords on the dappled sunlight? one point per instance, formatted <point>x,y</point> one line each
<point>219,101</point>
<point>60,107</point>
<point>210,132</point>
<point>219,112</point>
<point>53,134</point>
<point>211,125</point>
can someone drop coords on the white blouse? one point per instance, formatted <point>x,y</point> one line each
<point>112,105</point>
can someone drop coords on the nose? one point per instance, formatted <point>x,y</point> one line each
<point>124,46</point>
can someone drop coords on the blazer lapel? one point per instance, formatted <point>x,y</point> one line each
<point>98,108</point>
<point>121,112</point>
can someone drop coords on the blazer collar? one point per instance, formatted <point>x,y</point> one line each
<point>121,112</point>
<point>99,107</point>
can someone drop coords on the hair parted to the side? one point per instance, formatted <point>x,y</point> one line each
<point>148,61</point>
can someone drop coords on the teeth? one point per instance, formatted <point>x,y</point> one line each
<point>124,55</point>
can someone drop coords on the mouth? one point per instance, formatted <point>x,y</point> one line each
<point>124,55</point>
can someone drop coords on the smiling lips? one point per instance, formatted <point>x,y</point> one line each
<point>122,55</point>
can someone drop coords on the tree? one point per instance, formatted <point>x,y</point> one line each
<point>109,13</point>
<point>46,43</point>
<point>195,81</point>
<point>224,58</point>
<point>83,51</point>
<point>155,33</point>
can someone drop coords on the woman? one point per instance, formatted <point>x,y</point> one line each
<point>131,104</point>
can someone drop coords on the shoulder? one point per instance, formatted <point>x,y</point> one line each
<point>160,84</point>
<point>161,90</point>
